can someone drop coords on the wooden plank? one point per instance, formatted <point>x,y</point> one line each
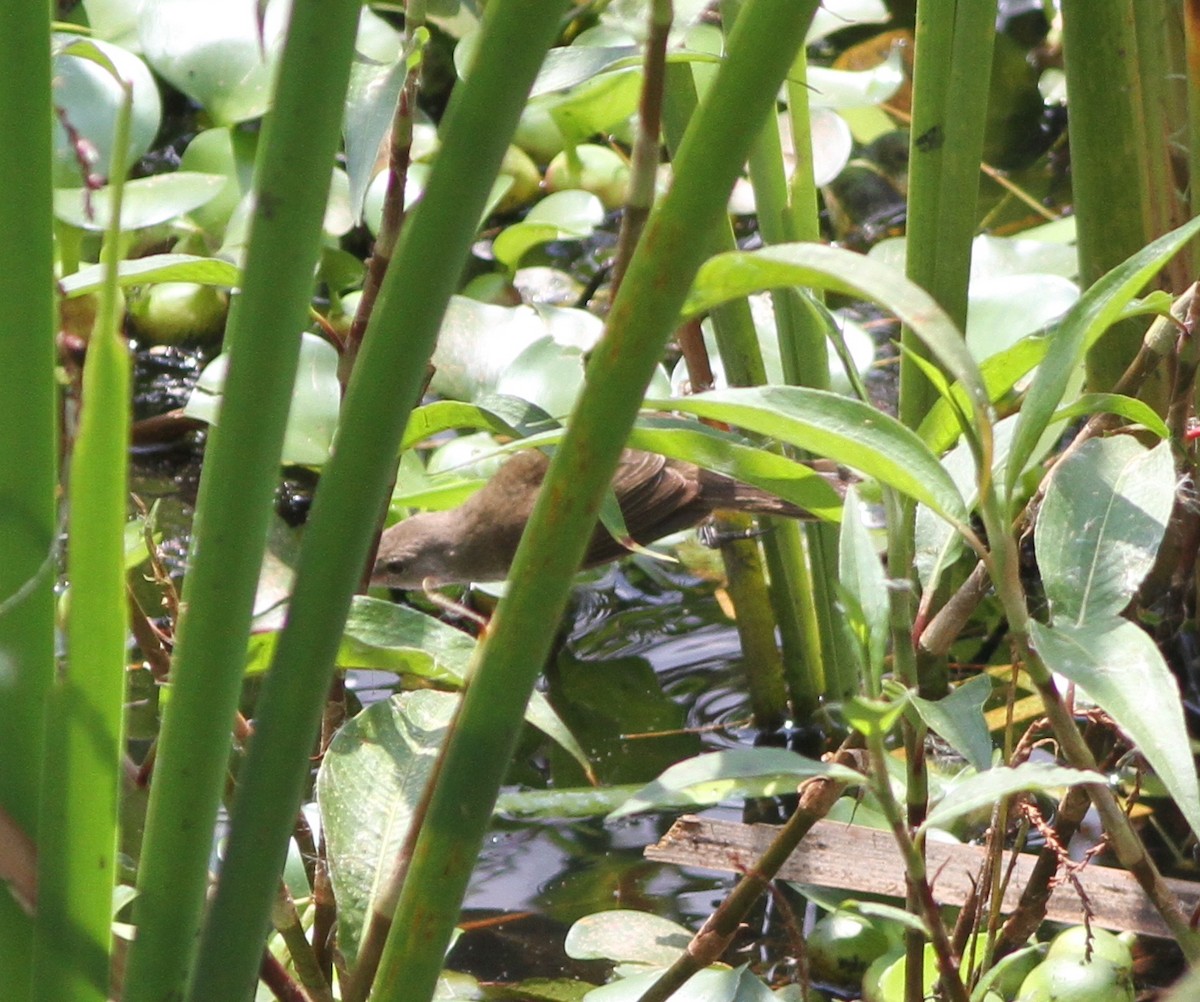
<point>853,858</point>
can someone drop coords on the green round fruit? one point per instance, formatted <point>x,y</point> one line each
<point>842,946</point>
<point>1072,943</point>
<point>593,168</point>
<point>1066,979</point>
<point>175,311</point>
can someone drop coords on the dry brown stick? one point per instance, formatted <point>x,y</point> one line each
<point>817,796</point>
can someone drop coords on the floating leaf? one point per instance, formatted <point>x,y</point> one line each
<point>711,778</point>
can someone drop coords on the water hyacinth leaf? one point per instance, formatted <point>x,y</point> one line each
<point>713,984</point>
<point>559,803</point>
<point>1098,308</point>
<point>388,637</point>
<point>1101,524</point>
<point>316,399</point>
<point>566,67</point>
<point>958,719</point>
<point>1119,667</point>
<point>709,779</point>
<point>88,95</point>
<point>479,341</point>
<point>370,783</point>
<point>856,88</point>
<point>993,325</point>
<point>221,54</point>
<point>626,936</point>
<point>985,789</point>
<point>847,431</point>
<point>1134,411</point>
<point>724,453</point>
<point>147,201</point>
<point>156,268</point>
<point>375,81</point>
<point>837,15</point>
<point>863,591</point>
<point>562,215</point>
<point>740,273</point>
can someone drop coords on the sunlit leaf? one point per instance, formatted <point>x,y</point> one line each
<point>751,772</point>
<point>1100,526</point>
<point>1119,667</point>
<point>985,789</point>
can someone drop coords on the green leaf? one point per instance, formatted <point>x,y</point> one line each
<point>711,778</point>
<point>1098,308</point>
<point>1131,409</point>
<point>499,414</point>
<point>845,430</point>
<point>626,936</point>
<point>1100,526</point>
<point>156,268</point>
<point>740,273</point>
<point>862,587</point>
<point>1000,373</point>
<point>369,785</point>
<point>147,201</point>
<point>958,718</point>
<point>1121,669</point>
<point>389,637</point>
<point>984,789</point>
<point>713,984</point>
<point>874,716</point>
<point>724,453</point>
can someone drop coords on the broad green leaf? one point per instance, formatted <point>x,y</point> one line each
<point>222,54</point>
<point>711,778</point>
<point>739,273</point>
<point>1101,524</point>
<point>713,984</point>
<point>390,637</point>
<point>847,431</point>
<point>156,268</point>
<point>316,400</point>
<point>862,588</point>
<point>958,719</point>
<point>1098,308</point>
<point>556,804</point>
<point>626,936</point>
<point>369,785</point>
<point>147,201</point>
<point>563,215</point>
<point>984,789</point>
<point>1119,667</point>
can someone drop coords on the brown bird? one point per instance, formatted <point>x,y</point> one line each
<point>477,540</point>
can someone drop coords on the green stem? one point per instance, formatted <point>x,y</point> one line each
<point>761,47</point>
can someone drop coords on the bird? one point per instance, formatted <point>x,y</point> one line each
<point>476,541</point>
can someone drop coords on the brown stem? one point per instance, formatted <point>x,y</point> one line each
<point>817,796</point>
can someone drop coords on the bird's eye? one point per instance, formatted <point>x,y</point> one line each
<point>396,566</point>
